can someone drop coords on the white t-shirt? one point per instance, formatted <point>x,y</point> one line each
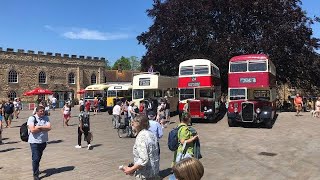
<point>81,102</point>
<point>66,110</point>
<point>116,110</point>
<point>129,111</point>
<point>54,100</point>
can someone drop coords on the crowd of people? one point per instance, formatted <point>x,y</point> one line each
<point>147,125</point>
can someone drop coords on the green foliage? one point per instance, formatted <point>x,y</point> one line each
<point>123,62</point>
<point>135,63</point>
<point>108,67</point>
<point>220,29</point>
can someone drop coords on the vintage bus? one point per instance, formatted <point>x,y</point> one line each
<point>99,91</point>
<point>200,86</point>
<point>252,90</point>
<point>153,86</point>
<point>118,91</point>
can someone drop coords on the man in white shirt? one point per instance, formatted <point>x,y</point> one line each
<point>54,102</point>
<point>116,112</point>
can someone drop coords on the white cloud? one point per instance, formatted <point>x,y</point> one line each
<point>86,34</point>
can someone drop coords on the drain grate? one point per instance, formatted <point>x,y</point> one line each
<point>267,154</point>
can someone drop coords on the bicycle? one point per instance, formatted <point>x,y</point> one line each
<point>124,128</point>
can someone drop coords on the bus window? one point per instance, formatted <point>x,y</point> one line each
<point>186,70</point>
<point>207,93</point>
<point>89,94</point>
<point>137,94</point>
<point>186,94</point>
<point>238,67</point>
<point>258,66</point>
<point>201,69</point>
<point>157,93</point>
<point>236,94</point>
<point>261,94</point>
<point>111,93</point>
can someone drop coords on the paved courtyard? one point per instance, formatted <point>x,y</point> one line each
<point>290,150</point>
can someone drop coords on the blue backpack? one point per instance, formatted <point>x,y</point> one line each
<point>173,140</point>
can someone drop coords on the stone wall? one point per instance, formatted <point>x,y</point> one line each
<point>57,68</point>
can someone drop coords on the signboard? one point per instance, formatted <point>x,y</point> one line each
<point>247,80</point>
<point>117,87</point>
<point>194,84</point>
<point>144,81</point>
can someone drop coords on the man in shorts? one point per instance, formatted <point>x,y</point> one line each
<point>8,112</point>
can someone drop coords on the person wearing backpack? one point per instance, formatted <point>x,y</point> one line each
<point>187,136</point>
<point>39,125</point>
<point>84,128</point>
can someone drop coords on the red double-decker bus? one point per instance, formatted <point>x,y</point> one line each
<point>200,87</point>
<point>252,90</point>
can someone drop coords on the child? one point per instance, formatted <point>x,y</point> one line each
<point>84,127</point>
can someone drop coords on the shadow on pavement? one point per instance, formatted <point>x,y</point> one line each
<point>11,142</point>
<point>96,145</point>
<point>52,171</point>
<point>164,173</point>
<point>55,141</point>
<point>9,149</point>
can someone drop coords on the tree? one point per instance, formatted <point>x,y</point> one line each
<point>123,62</point>
<point>220,29</point>
<point>135,63</point>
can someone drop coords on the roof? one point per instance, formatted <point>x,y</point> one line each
<point>249,57</point>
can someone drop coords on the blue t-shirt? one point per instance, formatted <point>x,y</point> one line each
<point>41,136</point>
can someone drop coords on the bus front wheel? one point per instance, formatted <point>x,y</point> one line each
<point>232,123</point>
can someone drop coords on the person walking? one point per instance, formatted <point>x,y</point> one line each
<point>87,106</point>
<point>298,104</point>
<point>1,118</point>
<point>8,112</point>
<point>16,108</point>
<point>66,112</point>
<point>84,128</point>
<point>116,112</point>
<point>145,151</point>
<point>81,104</point>
<point>155,127</point>
<point>167,109</point>
<point>187,137</point>
<point>39,125</point>
<point>54,103</point>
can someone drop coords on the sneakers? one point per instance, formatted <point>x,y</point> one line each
<point>89,146</point>
<point>77,146</point>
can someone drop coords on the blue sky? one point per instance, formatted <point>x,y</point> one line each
<point>102,28</point>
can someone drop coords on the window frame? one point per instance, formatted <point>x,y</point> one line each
<point>71,78</point>
<point>42,76</point>
<point>93,77</point>
<point>12,75</point>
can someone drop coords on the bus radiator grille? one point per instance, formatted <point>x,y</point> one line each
<point>247,112</point>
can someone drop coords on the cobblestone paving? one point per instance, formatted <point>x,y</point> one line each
<point>290,150</point>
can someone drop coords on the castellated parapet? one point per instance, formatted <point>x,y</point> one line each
<point>56,66</point>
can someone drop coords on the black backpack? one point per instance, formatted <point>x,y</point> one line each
<point>173,140</point>
<point>85,120</point>
<point>24,131</point>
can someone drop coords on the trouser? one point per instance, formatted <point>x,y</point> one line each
<point>85,132</point>
<point>116,121</point>
<point>37,150</point>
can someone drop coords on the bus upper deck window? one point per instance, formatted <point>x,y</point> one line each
<point>186,70</point>
<point>201,69</point>
<point>258,66</point>
<point>238,67</point>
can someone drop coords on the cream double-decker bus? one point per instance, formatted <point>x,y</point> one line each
<point>147,86</point>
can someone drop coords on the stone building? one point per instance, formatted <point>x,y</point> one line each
<point>22,71</point>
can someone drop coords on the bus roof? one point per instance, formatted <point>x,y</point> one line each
<point>191,62</point>
<point>153,81</point>
<point>97,87</point>
<point>249,57</point>
<point>120,87</point>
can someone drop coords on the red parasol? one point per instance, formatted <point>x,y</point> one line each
<point>81,91</point>
<point>37,91</point>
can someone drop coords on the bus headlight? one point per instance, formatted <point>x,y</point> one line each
<point>235,110</point>
<point>258,110</point>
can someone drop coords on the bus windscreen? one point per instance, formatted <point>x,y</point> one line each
<point>186,94</point>
<point>201,69</point>
<point>236,94</point>
<point>186,70</point>
<point>137,94</point>
<point>238,67</point>
<point>258,66</point>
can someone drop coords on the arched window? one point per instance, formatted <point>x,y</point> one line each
<point>13,76</point>
<point>71,78</point>
<point>12,95</point>
<point>42,77</point>
<point>93,79</point>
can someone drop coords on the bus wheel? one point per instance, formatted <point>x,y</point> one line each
<point>268,123</point>
<point>232,123</point>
